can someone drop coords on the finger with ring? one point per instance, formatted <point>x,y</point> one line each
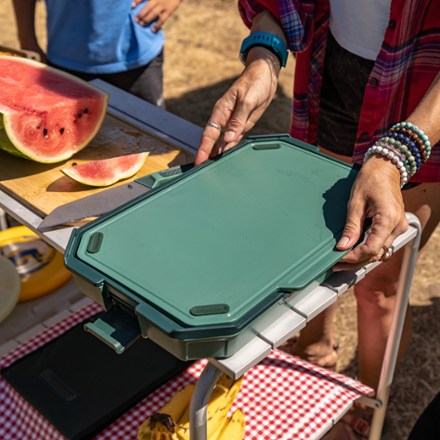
<point>387,253</point>
<point>214,125</point>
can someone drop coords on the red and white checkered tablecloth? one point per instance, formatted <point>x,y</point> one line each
<point>282,397</point>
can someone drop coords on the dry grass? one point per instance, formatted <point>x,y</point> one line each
<point>201,61</point>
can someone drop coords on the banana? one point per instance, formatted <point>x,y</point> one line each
<point>161,431</point>
<point>164,421</point>
<point>178,403</point>
<point>221,425</point>
<point>184,426</point>
<point>184,418</point>
<point>222,398</point>
<point>234,429</point>
<point>171,422</point>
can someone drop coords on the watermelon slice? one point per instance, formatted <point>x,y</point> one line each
<point>46,115</point>
<point>106,172</point>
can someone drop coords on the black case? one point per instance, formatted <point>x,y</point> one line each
<point>80,385</point>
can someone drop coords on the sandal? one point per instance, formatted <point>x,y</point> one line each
<point>327,360</point>
<point>354,425</point>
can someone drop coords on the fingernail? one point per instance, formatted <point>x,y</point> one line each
<point>229,136</point>
<point>343,241</point>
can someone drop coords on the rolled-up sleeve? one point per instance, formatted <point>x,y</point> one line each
<point>295,17</point>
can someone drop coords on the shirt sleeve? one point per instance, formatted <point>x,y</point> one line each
<point>295,17</point>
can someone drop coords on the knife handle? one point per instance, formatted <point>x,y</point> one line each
<point>158,178</point>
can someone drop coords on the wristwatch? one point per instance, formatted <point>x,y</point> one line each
<point>270,41</point>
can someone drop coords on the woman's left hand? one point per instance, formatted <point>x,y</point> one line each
<point>155,10</point>
<point>376,194</point>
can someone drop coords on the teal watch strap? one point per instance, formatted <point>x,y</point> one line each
<point>270,41</point>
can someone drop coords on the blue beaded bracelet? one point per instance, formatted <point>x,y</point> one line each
<point>409,144</point>
<point>420,133</point>
<point>414,138</point>
<point>406,155</point>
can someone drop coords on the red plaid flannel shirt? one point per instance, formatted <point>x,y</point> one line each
<point>407,64</point>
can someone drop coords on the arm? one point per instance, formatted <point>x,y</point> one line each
<point>159,10</point>
<point>242,105</point>
<point>376,193</point>
<point>25,18</point>
<point>427,113</point>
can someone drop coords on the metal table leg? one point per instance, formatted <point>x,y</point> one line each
<point>393,342</point>
<point>3,221</point>
<point>199,402</point>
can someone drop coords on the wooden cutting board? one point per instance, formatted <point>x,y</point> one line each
<point>43,187</point>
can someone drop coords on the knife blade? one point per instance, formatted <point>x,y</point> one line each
<point>108,199</point>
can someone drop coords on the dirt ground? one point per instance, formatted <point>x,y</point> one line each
<point>200,62</point>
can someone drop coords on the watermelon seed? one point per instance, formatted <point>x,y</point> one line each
<point>79,115</point>
<point>45,132</point>
<point>61,130</point>
<point>86,110</point>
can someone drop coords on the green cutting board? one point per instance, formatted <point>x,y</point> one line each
<point>221,243</point>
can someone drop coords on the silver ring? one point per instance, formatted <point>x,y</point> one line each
<point>386,254</point>
<point>214,125</point>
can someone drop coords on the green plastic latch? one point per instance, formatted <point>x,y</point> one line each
<point>115,328</point>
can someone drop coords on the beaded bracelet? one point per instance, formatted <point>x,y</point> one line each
<point>411,140</point>
<point>406,158</point>
<point>411,135</point>
<point>417,131</point>
<point>393,156</point>
<point>407,147</point>
<point>407,141</point>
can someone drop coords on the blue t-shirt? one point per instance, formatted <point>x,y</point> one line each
<point>99,36</point>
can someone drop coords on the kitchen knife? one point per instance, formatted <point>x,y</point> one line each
<point>106,200</point>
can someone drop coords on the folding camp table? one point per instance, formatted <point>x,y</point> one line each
<point>295,312</point>
<point>308,307</point>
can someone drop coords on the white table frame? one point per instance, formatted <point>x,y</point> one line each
<point>294,310</point>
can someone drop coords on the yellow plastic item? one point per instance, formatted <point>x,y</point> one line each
<point>40,266</point>
<point>9,287</point>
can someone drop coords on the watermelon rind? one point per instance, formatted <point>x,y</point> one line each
<point>106,172</point>
<point>5,143</point>
<point>62,112</point>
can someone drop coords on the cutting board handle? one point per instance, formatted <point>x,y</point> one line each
<point>154,180</point>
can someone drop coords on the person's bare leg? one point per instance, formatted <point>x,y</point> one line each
<point>375,294</point>
<point>316,343</point>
